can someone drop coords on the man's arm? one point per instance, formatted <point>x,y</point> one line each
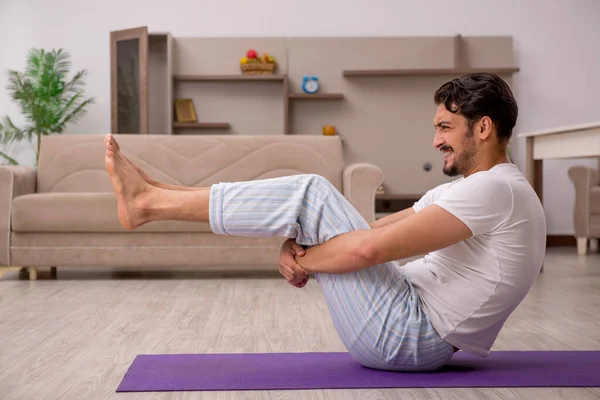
<point>395,217</point>
<point>431,229</point>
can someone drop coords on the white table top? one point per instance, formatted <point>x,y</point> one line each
<point>562,129</point>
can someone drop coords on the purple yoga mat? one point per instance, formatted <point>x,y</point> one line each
<point>292,371</point>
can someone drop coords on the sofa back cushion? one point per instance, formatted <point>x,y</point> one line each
<point>75,162</point>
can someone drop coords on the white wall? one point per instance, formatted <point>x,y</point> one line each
<point>558,53</point>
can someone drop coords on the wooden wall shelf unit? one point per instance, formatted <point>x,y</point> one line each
<point>201,125</point>
<point>226,78</point>
<point>316,96</point>
<point>425,72</point>
<point>376,91</point>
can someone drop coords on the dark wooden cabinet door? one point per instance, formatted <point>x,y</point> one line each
<point>129,81</point>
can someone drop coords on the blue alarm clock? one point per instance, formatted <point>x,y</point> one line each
<point>310,84</point>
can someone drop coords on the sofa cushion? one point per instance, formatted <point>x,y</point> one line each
<point>75,163</point>
<point>82,212</point>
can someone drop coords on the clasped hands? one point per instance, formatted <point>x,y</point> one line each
<point>289,267</point>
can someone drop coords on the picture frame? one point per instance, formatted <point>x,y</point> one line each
<point>185,110</point>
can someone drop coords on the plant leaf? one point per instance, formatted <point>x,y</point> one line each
<point>74,114</point>
<point>8,158</point>
<point>11,133</point>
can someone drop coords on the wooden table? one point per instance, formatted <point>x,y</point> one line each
<point>575,141</point>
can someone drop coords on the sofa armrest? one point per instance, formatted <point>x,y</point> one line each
<point>14,181</point>
<point>360,183</point>
<point>583,178</point>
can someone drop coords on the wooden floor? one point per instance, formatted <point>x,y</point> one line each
<point>74,337</point>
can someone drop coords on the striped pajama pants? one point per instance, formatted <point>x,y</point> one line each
<point>376,311</point>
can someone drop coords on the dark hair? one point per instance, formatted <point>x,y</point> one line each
<point>481,94</point>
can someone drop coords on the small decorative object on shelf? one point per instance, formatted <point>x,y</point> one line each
<point>310,84</point>
<point>329,130</point>
<point>253,64</point>
<point>185,110</point>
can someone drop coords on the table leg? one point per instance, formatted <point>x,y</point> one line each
<point>534,172</point>
<point>534,169</point>
<point>538,178</point>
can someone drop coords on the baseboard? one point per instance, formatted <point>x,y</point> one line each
<point>560,241</point>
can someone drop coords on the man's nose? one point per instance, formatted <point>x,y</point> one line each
<point>437,140</point>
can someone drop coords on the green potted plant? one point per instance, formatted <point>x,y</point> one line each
<point>48,99</point>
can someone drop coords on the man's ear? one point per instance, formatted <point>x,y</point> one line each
<point>484,128</point>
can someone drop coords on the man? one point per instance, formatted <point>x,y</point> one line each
<point>482,236</point>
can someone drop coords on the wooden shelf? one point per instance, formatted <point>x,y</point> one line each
<point>398,196</point>
<point>201,125</point>
<point>426,72</point>
<point>316,96</point>
<point>222,78</point>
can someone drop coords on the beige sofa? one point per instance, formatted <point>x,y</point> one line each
<point>64,213</point>
<point>586,213</point>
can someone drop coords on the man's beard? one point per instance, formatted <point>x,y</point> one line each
<point>452,171</point>
<point>463,161</point>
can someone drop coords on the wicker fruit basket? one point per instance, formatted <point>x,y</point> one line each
<point>255,64</point>
<point>258,68</point>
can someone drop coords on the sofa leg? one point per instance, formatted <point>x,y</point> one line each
<point>32,273</point>
<point>593,245</point>
<point>53,272</point>
<point>581,246</point>
<point>3,270</point>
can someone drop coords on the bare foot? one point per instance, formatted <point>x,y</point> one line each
<point>109,139</point>
<point>132,191</point>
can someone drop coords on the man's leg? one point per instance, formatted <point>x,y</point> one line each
<point>140,202</point>
<point>376,311</point>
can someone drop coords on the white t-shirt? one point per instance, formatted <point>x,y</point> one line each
<point>470,288</point>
